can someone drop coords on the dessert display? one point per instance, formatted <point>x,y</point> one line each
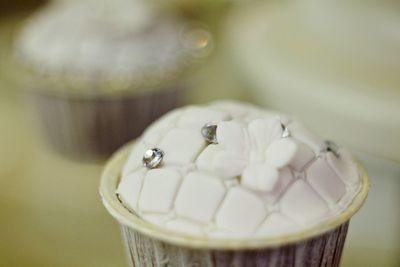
<point>228,183</point>
<point>95,74</point>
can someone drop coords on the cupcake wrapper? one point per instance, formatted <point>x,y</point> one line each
<point>323,250</point>
<point>92,127</point>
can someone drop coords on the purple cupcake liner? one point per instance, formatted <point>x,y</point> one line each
<point>93,127</point>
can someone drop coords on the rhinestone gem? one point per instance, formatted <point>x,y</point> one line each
<point>152,158</point>
<point>332,147</point>
<point>285,131</point>
<point>209,132</point>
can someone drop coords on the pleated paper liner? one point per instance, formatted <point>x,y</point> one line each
<point>150,245</point>
<point>94,127</point>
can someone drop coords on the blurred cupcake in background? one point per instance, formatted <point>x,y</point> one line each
<point>100,72</point>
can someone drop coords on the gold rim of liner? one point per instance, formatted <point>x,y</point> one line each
<point>110,179</point>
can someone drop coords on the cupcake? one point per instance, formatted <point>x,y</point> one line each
<point>230,184</point>
<point>95,69</point>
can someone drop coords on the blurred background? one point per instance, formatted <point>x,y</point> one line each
<point>334,65</point>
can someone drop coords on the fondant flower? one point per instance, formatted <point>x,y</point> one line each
<point>255,152</point>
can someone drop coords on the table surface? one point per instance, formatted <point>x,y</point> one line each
<point>52,214</point>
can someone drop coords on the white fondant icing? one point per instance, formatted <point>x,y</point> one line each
<point>304,155</point>
<point>231,136</point>
<point>241,211</point>
<point>302,204</point>
<point>285,178</point>
<point>129,188</point>
<point>260,177</point>
<point>281,152</point>
<point>228,164</point>
<point>191,202</point>
<point>206,158</point>
<point>256,152</point>
<point>135,158</point>
<point>159,189</point>
<point>253,182</point>
<point>325,181</point>
<point>263,132</point>
<point>344,166</point>
<point>181,146</point>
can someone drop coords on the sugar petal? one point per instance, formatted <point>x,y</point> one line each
<point>264,131</point>
<point>281,152</point>
<point>261,177</point>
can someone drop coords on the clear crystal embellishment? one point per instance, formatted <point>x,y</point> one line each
<point>209,132</point>
<point>285,131</point>
<point>332,147</point>
<point>152,158</point>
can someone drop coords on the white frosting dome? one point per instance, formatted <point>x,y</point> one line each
<point>267,175</point>
<point>123,38</point>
